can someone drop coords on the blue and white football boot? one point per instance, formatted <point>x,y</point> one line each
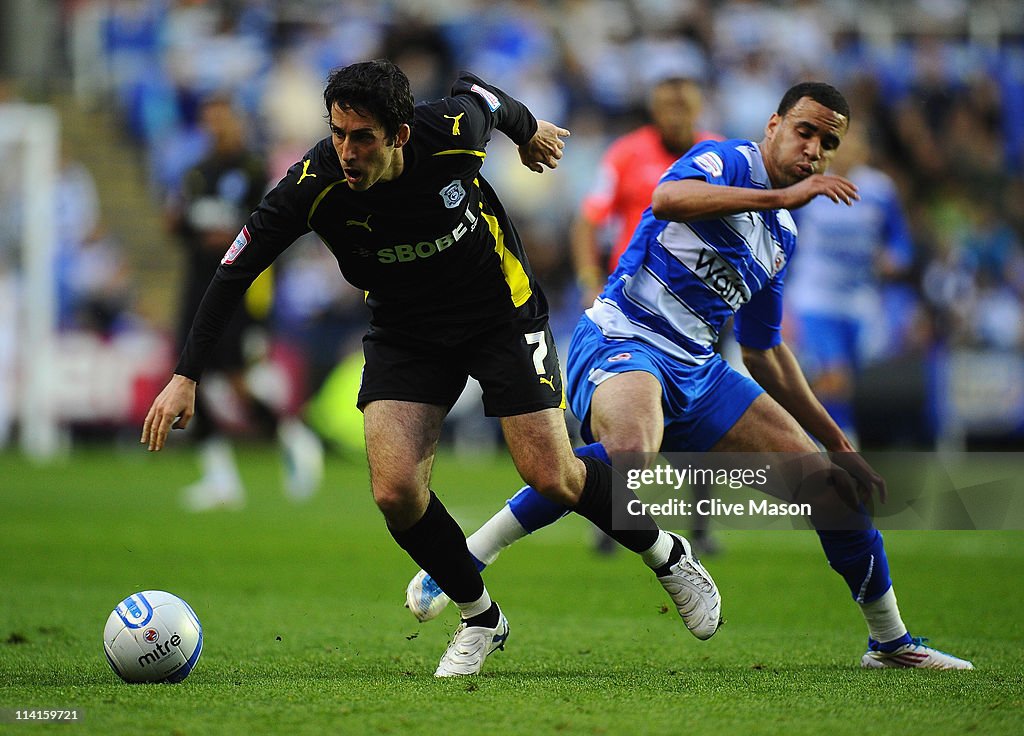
<point>912,654</point>
<point>424,598</point>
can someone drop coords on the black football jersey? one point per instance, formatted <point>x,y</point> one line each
<point>433,249</point>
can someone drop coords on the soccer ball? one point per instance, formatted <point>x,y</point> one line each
<point>152,636</point>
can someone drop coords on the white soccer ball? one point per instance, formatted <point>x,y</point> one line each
<point>152,636</point>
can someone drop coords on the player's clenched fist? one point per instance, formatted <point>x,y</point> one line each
<point>544,148</point>
<point>173,408</point>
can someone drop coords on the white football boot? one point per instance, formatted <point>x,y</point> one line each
<point>424,597</point>
<point>694,593</point>
<point>913,654</point>
<point>470,646</point>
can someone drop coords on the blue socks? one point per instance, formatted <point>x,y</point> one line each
<point>859,556</point>
<point>534,511</point>
<point>890,646</point>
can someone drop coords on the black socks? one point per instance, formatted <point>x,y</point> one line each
<point>488,618</point>
<point>636,533</point>
<point>674,556</point>
<point>436,543</point>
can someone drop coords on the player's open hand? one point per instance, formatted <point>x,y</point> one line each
<point>868,481</point>
<point>837,188</point>
<point>545,148</point>
<point>173,408</point>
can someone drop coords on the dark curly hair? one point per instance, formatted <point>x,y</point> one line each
<point>377,89</point>
<point>823,94</point>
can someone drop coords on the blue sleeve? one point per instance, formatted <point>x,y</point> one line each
<point>716,162</point>
<point>758,323</point>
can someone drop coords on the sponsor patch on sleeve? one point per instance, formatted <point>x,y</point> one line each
<point>493,103</point>
<point>241,240</point>
<point>711,162</point>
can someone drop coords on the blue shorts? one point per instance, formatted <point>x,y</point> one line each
<point>701,403</point>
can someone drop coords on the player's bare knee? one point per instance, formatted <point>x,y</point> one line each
<point>559,485</point>
<point>398,501</point>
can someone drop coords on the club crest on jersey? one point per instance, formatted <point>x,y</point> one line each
<point>241,240</point>
<point>453,194</point>
<point>493,103</point>
<point>711,162</point>
<point>780,260</point>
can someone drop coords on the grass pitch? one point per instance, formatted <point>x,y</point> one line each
<point>306,633</point>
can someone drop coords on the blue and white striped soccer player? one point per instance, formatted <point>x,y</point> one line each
<point>642,375</point>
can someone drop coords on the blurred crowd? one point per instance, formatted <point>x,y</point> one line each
<point>939,85</point>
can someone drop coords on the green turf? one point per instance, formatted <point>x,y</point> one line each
<point>305,632</point>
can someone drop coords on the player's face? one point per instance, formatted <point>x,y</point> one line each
<point>367,154</point>
<point>675,106</point>
<point>803,142</point>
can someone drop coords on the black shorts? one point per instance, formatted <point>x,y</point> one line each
<point>515,363</point>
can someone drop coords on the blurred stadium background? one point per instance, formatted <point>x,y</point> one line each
<point>98,102</point>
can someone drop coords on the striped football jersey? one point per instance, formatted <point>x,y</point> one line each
<point>678,283</point>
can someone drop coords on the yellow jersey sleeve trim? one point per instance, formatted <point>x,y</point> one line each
<point>457,151</point>
<point>316,202</point>
<point>515,275</point>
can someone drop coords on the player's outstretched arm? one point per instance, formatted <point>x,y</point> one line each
<point>544,148</point>
<point>687,200</point>
<point>173,408</point>
<point>778,371</point>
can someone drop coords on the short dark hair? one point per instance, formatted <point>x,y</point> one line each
<point>823,94</point>
<point>377,89</point>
